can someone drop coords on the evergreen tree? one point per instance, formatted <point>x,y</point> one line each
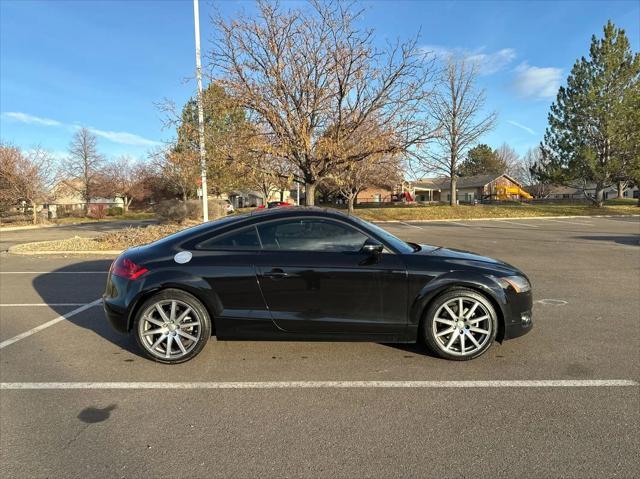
<point>482,160</point>
<point>587,142</point>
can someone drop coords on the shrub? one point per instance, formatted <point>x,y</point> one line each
<point>115,211</point>
<point>171,210</point>
<point>98,211</point>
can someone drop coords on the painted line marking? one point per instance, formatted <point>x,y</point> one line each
<point>37,329</point>
<point>544,383</point>
<point>33,305</point>
<point>412,226</point>
<point>53,272</point>
<point>568,222</point>
<point>519,224</point>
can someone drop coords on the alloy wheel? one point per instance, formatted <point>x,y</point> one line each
<point>169,329</point>
<point>462,326</point>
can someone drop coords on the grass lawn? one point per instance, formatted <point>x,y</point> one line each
<point>445,212</point>
<point>132,215</point>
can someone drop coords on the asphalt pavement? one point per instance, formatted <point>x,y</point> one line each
<point>586,280</point>
<point>86,230</point>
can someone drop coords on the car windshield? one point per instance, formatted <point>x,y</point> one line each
<point>393,241</point>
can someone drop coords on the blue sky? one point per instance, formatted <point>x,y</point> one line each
<point>105,64</point>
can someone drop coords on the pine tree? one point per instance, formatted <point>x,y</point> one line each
<point>587,142</point>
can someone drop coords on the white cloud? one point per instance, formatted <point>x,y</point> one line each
<point>488,63</point>
<point>26,118</point>
<point>531,131</point>
<point>537,82</point>
<point>124,138</point>
<point>121,137</point>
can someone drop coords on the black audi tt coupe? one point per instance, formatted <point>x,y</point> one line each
<point>311,274</point>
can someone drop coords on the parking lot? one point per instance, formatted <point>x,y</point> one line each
<point>380,410</point>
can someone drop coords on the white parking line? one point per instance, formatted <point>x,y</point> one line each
<point>569,222</point>
<point>412,226</point>
<point>544,383</point>
<point>514,223</point>
<point>37,329</point>
<point>53,272</point>
<point>34,305</point>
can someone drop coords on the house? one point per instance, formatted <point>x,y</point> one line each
<point>245,198</point>
<point>558,192</point>
<point>66,197</point>
<point>376,194</point>
<point>469,188</point>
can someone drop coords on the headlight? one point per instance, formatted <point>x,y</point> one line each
<point>519,283</point>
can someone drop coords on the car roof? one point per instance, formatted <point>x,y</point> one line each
<point>296,211</point>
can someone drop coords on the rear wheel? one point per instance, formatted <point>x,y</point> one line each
<point>460,324</point>
<point>172,327</point>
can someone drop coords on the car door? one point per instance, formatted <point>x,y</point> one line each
<point>316,279</point>
<point>226,261</point>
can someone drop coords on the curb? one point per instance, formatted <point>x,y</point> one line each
<point>86,252</point>
<point>29,227</point>
<point>503,219</point>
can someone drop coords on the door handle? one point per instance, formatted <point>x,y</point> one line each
<point>276,273</point>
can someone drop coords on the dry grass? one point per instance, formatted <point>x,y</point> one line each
<point>442,212</point>
<point>117,240</point>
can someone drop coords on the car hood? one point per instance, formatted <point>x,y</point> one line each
<point>461,256</point>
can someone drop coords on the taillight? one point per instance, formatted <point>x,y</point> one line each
<point>125,268</point>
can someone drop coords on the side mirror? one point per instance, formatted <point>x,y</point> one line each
<point>372,247</point>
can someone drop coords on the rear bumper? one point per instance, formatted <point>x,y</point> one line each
<point>116,316</point>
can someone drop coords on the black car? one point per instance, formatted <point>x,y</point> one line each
<point>311,274</point>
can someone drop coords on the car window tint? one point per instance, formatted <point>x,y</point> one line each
<point>310,235</point>
<point>246,238</point>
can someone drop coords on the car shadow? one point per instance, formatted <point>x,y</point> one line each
<point>56,289</point>
<point>418,349</point>
<point>630,240</point>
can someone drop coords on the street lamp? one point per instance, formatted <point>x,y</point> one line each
<point>203,159</point>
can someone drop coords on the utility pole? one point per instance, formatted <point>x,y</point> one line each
<point>203,159</point>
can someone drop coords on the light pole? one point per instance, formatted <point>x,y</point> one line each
<point>203,159</point>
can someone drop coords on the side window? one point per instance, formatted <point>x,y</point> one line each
<point>310,235</point>
<point>244,239</point>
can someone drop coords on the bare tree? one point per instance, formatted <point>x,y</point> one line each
<point>178,171</point>
<point>302,71</point>
<point>24,176</point>
<point>538,188</point>
<point>456,108</point>
<point>514,166</point>
<point>122,179</point>
<point>383,171</point>
<point>81,169</point>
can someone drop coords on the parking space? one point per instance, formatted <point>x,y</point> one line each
<point>586,278</point>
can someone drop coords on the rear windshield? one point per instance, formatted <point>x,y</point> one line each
<point>188,233</point>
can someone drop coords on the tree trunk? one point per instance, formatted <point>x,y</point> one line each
<point>351,199</point>
<point>599,198</point>
<point>454,194</point>
<point>34,216</point>
<point>309,193</point>
<point>281,195</point>
<point>622,185</point>
<point>125,204</point>
<point>184,195</point>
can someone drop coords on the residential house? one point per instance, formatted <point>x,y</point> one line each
<point>245,198</point>
<point>569,193</point>
<point>469,189</point>
<point>66,197</point>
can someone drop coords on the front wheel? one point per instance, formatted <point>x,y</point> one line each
<point>460,324</point>
<point>172,327</point>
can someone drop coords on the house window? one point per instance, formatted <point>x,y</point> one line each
<point>566,196</point>
<point>626,193</point>
<point>636,193</point>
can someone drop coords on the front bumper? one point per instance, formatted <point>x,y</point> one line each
<point>518,314</point>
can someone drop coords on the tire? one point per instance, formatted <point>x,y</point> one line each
<point>178,335</point>
<point>459,338</point>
